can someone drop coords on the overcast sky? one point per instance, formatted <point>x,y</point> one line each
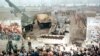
<point>48,2</point>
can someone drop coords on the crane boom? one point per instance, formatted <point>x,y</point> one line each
<point>14,6</point>
<point>25,18</point>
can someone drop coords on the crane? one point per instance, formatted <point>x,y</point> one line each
<point>25,18</point>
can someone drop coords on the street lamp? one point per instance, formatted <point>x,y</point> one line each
<point>28,38</point>
<point>29,43</point>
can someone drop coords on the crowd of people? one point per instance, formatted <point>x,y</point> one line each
<point>54,50</point>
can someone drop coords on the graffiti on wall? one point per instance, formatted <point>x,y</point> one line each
<point>93,29</point>
<point>10,29</point>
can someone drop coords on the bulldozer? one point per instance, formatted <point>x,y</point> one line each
<point>43,20</point>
